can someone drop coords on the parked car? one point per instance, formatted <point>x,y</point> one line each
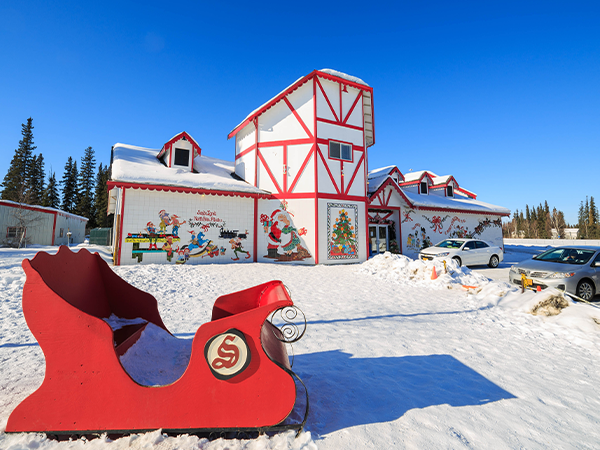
<point>469,252</point>
<point>572,269</point>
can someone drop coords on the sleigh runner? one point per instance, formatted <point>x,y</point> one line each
<point>238,377</point>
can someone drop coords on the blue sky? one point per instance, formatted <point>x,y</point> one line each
<point>505,96</point>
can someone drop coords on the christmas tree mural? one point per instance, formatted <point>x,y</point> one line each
<point>343,237</point>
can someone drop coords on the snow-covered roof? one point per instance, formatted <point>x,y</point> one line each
<point>140,165</point>
<point>457,202</point>
<point>291,87</point>
<point>343,75</point>
<point>378,177</point>
<point>415,176</point>
<point>42,209</point>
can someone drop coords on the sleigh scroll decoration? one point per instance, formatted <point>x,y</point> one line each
<point>237,359</point>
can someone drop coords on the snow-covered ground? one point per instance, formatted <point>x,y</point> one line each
<point>391,358</point>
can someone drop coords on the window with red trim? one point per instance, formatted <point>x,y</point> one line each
<point>424,187</point>
<point>339,150</point>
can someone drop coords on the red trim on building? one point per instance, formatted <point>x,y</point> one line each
<point>467,193</point>
<point>328,102</point>
<point>245,152</point>
<point>266,166</point>
<point>328,171</point>
<point>121,228</point>
<point>464,211</point>
<point>315,149</point>
<point>54,227</point>
<point>302,167</point>
<point>360,93</point>
<point>286,142</point>
<point>340,124</point>
<point>297,116</point>
<point>157,187</point>
<point>390,182</point>
<point>169,146</point>
<point>358,164</point>
<point>255,245</point>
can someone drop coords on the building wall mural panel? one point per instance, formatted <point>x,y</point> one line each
<point>283,237</point>
<point>424,229</point>
<point>175,228</point>
<point>342,231</point>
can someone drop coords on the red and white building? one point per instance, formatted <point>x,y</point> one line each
<point>39,225</point>
<point>299,190</point>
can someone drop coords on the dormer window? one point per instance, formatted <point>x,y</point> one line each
<point>337,150</point>
<point>182,157</point>
<point>449,191</point>
<point>424,187</point>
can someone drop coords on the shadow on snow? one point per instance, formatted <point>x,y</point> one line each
<point>346,391</point>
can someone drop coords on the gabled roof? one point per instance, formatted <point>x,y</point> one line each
<point>377,177</point>
<point>417,177</point>
<point>139,165</point>
<point>324,73</point>
<point>186,137</point>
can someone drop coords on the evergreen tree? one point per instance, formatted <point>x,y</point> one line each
<point>101,203</point>
<point>593,220</point>
<point>69,186</point>
<point>37,180</point>
<point>51,197</point>
<point>86,187</point>
<point>15,185</point>
<point>583,219</point>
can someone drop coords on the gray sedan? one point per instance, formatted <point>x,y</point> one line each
<point>572,269</point>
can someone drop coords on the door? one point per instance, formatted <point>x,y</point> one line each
<point>378,239</point>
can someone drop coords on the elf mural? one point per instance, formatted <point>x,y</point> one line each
<point>283,238</point>
<point>161,241</point>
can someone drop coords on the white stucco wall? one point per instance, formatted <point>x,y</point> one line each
<point>419,227</point>
<point>205,214</point>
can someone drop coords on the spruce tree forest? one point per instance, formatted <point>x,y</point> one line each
<point>538,223</point>
<point>81,190</point>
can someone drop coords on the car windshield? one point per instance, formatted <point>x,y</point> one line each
<point>566,255</point>
<point>450,243</point>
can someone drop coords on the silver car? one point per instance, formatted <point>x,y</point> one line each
<point>572,269</point>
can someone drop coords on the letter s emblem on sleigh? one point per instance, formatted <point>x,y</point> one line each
<point>227,354</point>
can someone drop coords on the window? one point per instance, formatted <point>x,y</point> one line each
<point>481,244</point>
<point>423,187</point>
<point>182,157</point>
<point>62,231</point>
<point>449,191</point>
<point>338,150</point>
<point>15,232</point>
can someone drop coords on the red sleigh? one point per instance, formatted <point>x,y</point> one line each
<point>238,377</point>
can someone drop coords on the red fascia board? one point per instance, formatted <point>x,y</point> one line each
<point>42,210</point>
<point>386,183</point>
<point>268,105</point>
<point>195,145</point>
<point>463,211</point>
<point>187,190</point>
<point>395,169</point>
<point>467,193</point>
<point>295,86</point>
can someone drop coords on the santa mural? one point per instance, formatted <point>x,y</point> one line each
<point>283,238</point>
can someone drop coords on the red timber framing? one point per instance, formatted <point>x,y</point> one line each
<point>284,188</point>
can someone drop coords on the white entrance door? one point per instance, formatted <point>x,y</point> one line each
<point>378,238</point>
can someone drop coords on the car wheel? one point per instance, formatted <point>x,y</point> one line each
<point>494,261</point>
<point>586,290</point>
<point>458,261</point>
